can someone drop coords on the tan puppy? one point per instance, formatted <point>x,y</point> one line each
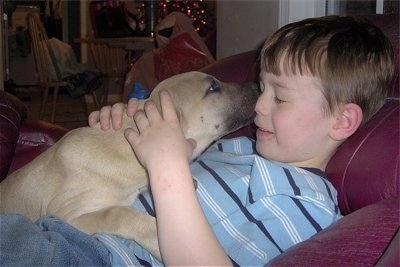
<point>90,177</point>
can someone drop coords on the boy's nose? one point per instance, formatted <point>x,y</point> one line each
<point>262,105</point>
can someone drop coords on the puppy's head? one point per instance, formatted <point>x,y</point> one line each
<point>208,108</point>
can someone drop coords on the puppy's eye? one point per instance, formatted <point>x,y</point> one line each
<point>214,87</point>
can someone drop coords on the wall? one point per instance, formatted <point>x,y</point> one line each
<point>243,25</point>
<point>301,9</point>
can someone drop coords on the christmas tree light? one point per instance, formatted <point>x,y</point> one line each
<point>196,10</point>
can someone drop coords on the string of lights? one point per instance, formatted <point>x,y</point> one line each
<point>202,19</point>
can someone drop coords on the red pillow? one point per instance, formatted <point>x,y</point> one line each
<point>181,54</point>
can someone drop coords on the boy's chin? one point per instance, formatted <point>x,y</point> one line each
<point>263,151</point>
<point>269,153</point>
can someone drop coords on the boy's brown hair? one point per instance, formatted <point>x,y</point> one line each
<point>353,59</point>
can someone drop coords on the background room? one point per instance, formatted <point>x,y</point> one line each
<point>226,28</point>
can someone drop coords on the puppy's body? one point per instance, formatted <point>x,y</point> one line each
<point>90,177</point>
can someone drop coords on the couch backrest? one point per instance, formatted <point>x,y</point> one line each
<point>389,25</point>
<point>238,68</point>
<point>365,169</point>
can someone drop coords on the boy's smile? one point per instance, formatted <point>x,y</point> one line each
<point>264,133</point>
<point>292,125</point>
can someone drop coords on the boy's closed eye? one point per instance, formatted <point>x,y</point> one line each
<point>278,100</point>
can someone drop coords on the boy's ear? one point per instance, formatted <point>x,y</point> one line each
<point>347,121</point>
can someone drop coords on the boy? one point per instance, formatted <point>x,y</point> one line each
<point>320,79</point>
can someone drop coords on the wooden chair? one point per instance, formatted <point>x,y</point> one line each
<point>46,65</point>
<point>112,62</point>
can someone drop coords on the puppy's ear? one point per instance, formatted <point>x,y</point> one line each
<point>346,121</point>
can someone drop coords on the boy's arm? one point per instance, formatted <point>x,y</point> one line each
<point>113,114</point>
<point>162,148</point>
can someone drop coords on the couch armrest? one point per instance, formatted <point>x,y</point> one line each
<point>35,137</point>
<point>12,111</point>
<point>391,256</point>
<point>358,239</point>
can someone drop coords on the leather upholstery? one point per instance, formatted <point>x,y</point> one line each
<point>12,111</point>
<point>389,24</point>
<point>366,167</point>
<point>35,137</point>
<point>358,239</point>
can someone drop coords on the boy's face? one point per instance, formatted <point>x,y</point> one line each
<point>292,126</point>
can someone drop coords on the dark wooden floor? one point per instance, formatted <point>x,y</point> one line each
<point>70,112</point>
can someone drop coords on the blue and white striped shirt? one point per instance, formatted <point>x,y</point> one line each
<point>257,208</point>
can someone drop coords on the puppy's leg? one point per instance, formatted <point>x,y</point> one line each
<point>124,222</point>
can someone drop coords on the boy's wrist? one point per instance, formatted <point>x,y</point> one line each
<point>169,174</point>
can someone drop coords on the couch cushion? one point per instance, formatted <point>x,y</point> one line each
<point>358,239</point>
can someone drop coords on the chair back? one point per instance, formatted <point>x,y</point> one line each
<point>45,60</point>
<point>111,61</point>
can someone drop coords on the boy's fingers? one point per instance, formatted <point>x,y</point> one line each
<point>130,135</point>
<point>141,120</point>
<point>94,117</point>
<point>105,117</point>
<point>167,106</point>
<point>152,111</point>
<point>117,112</point>
<point>132,107</point>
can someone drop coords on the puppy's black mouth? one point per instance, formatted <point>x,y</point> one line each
<point>237,123</point>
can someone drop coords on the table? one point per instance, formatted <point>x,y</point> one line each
<point>109,55</point>
<point>127,43</point>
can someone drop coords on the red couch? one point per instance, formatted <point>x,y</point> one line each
<point>365,170</point>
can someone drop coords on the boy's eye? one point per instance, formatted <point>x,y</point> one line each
<point>278,101</point>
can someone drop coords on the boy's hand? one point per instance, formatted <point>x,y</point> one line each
<point>159,137</point>
<point>113,115</point>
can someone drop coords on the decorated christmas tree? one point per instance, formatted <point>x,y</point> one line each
<point>198,11</point>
